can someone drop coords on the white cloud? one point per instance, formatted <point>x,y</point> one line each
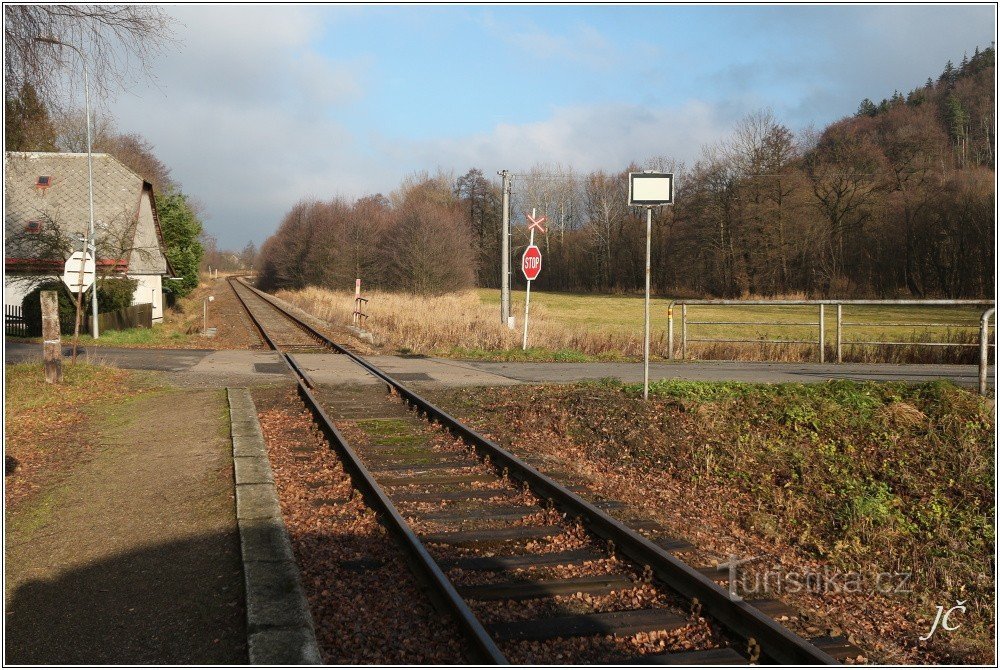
<point>586,137</point>
<point>239,112</point>
<point>581,43</point>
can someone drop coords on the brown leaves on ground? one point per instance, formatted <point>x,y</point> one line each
<point>672,460</point>
<point>46,424</point>
<point>366,606</point>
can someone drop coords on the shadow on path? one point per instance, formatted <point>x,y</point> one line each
<point>176,603</point>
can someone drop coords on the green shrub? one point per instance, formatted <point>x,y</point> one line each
<point>113,294</point>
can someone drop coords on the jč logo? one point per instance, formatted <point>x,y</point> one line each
<point>942,618</point>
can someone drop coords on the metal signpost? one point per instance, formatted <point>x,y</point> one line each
<point>649,190</point>
<point>531,266</point>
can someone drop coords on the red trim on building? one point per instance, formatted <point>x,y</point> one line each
<point>48,264</point>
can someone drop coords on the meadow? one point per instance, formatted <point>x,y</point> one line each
<point>566,326</point>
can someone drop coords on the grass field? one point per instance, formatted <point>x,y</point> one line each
<point>625,314</point>
<point>566,326</point>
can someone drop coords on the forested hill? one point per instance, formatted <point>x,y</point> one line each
<point>961,102</point>
<point>896,200</point>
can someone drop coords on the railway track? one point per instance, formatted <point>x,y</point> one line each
<point>531,571</point>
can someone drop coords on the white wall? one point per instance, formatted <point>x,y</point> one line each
<point>15,287</point>
<point>149,291</point>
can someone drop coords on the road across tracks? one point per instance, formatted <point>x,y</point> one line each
<point>237,367</point>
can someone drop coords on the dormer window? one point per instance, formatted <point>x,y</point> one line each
<point>43,182</point>
<point>34,227</point>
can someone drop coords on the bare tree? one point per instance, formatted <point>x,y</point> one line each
<point>117,39</point>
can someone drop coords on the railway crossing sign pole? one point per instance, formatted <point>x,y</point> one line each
<point>649,190</point>
<point>531,266</point>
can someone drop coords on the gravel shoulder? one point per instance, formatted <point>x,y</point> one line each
<point>132,557</point>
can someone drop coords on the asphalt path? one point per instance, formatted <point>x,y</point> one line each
<point>219,368</point>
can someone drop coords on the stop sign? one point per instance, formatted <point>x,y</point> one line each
<point>531,262</point>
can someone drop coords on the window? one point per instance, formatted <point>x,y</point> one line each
<point>43,182</point>
<point>33,227</point>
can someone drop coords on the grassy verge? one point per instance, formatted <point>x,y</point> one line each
<point>862,478</point>
<point>46,424</point>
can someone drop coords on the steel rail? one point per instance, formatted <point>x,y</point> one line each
<point>776,642</point>
<point>420,558</point>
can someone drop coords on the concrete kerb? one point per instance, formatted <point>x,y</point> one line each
<point>279,625</point>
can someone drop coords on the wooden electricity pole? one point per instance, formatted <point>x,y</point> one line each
<point>52,346</point>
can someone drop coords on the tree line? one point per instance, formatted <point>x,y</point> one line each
<point>417,239</point>
<point>895,200</point>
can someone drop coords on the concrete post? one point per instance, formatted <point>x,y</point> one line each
<point>51,343</point>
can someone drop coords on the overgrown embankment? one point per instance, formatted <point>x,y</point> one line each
<point>860,478</point>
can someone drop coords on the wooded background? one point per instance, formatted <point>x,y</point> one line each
<point>895,200</point>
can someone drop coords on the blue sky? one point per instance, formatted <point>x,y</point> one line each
<point>256,107</point>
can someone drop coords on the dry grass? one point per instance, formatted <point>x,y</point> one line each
<point>588,326</point>
<point>462,323</point>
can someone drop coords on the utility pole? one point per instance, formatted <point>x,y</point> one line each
<point>505,250</point>
<point>90,168</point>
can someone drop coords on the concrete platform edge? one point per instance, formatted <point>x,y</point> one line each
<point>279,625</point>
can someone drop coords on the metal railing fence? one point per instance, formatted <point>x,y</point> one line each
<point>982,324</point>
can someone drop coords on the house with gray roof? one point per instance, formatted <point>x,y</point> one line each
<point>47,211</point>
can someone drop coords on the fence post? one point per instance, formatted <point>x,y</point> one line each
<point>822,336</point>
<point>984,348</point>
<point>684,332</point>
<point>51,344</point>
<point>840,319</point>
<point>670,331</point>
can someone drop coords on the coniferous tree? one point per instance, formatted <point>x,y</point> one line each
<point>948,75</point>
<point>27,125</point>
<point>181,230</point>
<point>867,108</point>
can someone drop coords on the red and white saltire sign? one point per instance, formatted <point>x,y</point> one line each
<point>531,262</point>
<point>536,222</point>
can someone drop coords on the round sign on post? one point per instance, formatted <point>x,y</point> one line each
<point>531,262</point>
<point>72,277</point>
